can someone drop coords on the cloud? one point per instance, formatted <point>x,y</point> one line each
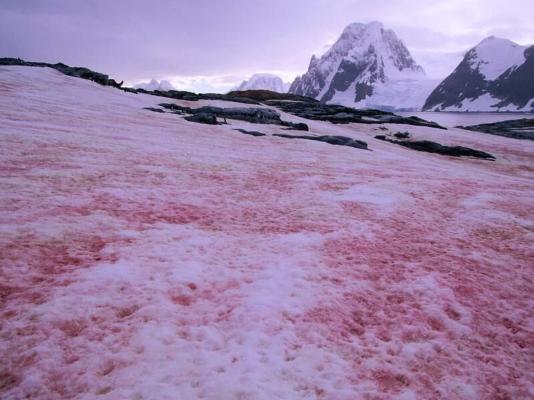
<point>204,42</point>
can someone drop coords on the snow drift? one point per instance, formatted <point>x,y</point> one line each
<point>147,257</point>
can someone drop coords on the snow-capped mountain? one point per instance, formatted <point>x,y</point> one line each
<point>264,81</point>
<point>155,85</point>
<point>368,66</point>
<point>495,75</point>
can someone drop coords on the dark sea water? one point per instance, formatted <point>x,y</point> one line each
<point>451,119</point>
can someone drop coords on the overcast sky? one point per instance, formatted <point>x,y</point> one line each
<point>207,45</point>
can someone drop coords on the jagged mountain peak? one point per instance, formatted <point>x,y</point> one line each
<point>364,57</point>
<point>357,27</point>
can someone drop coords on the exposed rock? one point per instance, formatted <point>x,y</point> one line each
<point>251,133</point>
<point>78,72</point>
<point>264,95</point>
<point>254,115</point>
<point>175,107</point>
<point>202,118</point>
<point>296,126</point>
<point>344,115</point>
<point>516,128</point>
<point>336,140</point>
<point>433,147</point>
<point>159,110</point>
<point>190,96</point>
<point>402,135</point>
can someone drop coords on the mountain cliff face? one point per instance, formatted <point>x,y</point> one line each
<point>368,66</point>
<point>495,75</point>
<point>264,81</point>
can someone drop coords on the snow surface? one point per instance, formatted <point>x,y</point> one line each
<point>264,81</point>
<point>495,56</point>
<point>147,257</point>
<point>402,94</point>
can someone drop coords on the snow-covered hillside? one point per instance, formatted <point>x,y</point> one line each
<point>495,75</point>
<point>155,85</point>
<point>368,66</point>
<point>264,81</point>
<point>147,257</point>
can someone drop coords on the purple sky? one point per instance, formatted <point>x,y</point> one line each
<point>209,45</point>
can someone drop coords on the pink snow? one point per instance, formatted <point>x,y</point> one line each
<point>146,257</point>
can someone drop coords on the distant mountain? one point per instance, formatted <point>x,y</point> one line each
<point>155,85</point>
<point>264,81</point>
<point>368,66</point>
<point>495,75</point>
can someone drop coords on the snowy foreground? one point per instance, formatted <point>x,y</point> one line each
<point>147,257</point>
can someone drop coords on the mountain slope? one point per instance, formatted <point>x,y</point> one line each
<point>368,66</point>
<point>495,75</point>
<point>263,81</point>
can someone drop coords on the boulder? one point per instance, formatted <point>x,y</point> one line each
<point>515,128</point>
<point>402,135</point>
<point>202,118</point>
<point>251,133</point>
<point>335,140</point>
<point>434,147</point>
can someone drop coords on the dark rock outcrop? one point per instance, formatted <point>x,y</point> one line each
<point>295,126</point>
<point>402,135</point>
<point>251,133</point>
<point>78,72</point>
<point>335,140</point>
<point>264,95</point>
<point>190,96</point>
<point>344,115</point>
<point>433,147</point>
<point>202,118</point>
<point>158,110</point>
<point>516,128</point>
<point>254,115</point>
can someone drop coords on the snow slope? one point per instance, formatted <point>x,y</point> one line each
<point>147,257</point>
<point>264,81</point>
<point>496,55</point>
<point>367,67</point>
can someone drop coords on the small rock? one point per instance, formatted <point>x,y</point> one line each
<point>251,133</point>
<point>159,110</point>
<point>402,135</point>
<point>202,118</point>
<point>433,147</point>
<point>335,140</point>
